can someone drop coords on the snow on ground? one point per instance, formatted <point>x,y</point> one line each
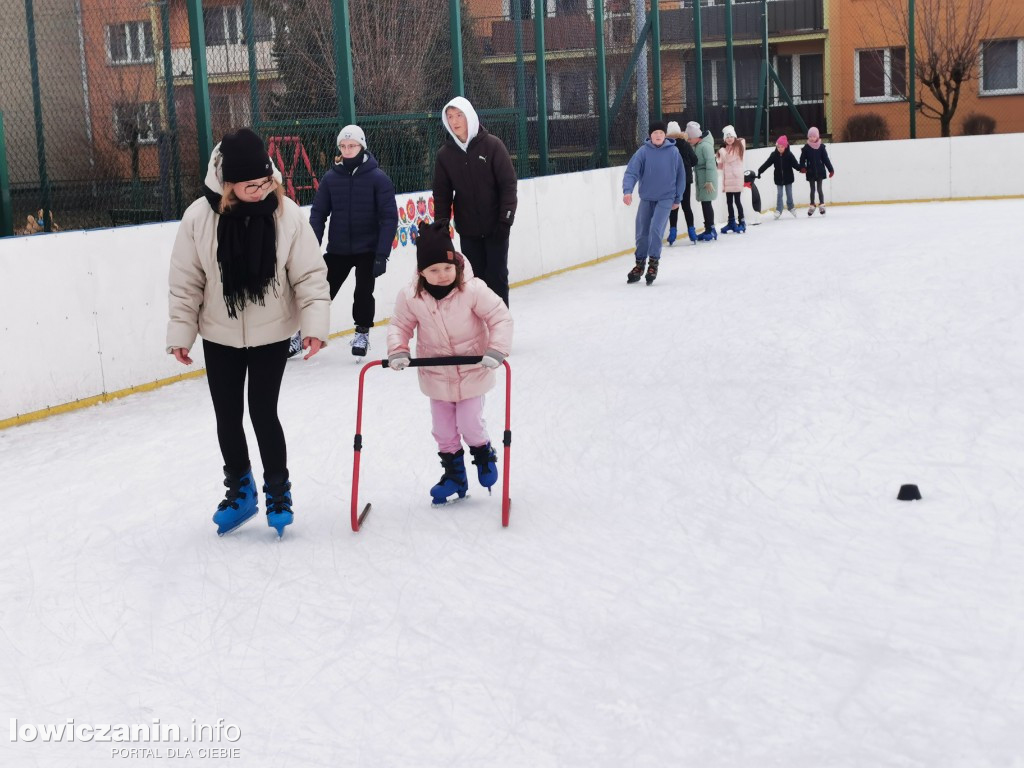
<point>706,563</point>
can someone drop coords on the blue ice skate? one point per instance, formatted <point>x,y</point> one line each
<point>239,502</point>
<point>453,482</point>
<point>671,235</point>
<point>708,235</point>
<point>486,461</point>
<point>279,501</point>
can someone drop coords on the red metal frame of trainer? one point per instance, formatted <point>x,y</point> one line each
<point>506,503</point>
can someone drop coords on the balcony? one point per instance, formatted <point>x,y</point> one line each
<point>228,59</point>
<point>785,17</point>
<point>576,32</point>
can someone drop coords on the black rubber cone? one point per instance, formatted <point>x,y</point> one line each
<point>909,493</point>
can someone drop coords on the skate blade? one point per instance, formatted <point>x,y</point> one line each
<point>449,502</point>
<point>237,525</point>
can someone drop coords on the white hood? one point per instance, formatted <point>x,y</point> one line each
<point>472,121</point>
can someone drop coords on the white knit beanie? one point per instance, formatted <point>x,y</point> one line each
<point>693,130</point>
<point>674,129</point>
<point>728,131</point>
<point>351,133</point>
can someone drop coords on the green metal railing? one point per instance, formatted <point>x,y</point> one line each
<point>561,91</point>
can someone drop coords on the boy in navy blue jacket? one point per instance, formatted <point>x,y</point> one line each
<point>658,168</point>
<point>360,199</point>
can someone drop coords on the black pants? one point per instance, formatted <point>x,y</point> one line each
<point>338,269</point>
<point>734,197</point>
<point>673,217</point>
<point>821,195</point>
<point>489,258</point>
<point>709,215</point>
<point>226,369</point>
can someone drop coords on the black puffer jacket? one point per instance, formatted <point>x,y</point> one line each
<point>784,163</point>
<point>364,215</point>
<point>689,158</point>
<point>481,182</point>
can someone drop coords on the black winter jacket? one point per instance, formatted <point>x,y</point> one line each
<point>362,207</point>
<point>815,161</point>
<point>784,164</point>
<point>481,183</point>
<point>689,159</point>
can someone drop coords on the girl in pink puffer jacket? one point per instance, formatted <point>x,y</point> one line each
<point>730,163</point>
<point>452,314</point>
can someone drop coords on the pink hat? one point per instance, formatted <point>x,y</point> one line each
<point>782,141</point>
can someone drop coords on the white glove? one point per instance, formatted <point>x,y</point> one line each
<point>398,361</point>
<point>492,358</point>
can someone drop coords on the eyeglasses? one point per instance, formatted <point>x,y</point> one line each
<point>254,188</point>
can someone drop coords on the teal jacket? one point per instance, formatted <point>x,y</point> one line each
<point>706,169</point>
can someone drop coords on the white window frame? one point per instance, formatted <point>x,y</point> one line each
<point>239,24</point>
<point>151,109</point>
<point>1020,69</point>
<point>888,96</point>
<point>555,84</point>
<point>796,86</point>
<point>134,31</point>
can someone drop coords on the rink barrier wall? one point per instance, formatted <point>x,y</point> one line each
<point>84,313</point>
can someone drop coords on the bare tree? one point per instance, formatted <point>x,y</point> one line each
<point>949,35</point>
<point>394,53</point>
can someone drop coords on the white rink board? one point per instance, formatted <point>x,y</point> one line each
<point>84,313</point>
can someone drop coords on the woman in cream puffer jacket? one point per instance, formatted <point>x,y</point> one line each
<point>245,270</point>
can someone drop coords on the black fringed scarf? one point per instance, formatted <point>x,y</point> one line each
<point>246,250</point>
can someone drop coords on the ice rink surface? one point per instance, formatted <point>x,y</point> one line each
<point>706,564</point>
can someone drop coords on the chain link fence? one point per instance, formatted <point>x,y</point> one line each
<point>101,123</point>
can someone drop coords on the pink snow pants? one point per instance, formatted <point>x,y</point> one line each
<point>455,422</point>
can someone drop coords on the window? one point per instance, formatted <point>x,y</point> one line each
<point>880,74</point>
<point>129,43</point>
<point>230,111</point>
<point>570,7</point>
<point>572,94</point>
<point>812,77</point>
<point>714,82</point>
<point>803,76</point>
<point>133,120</point>
<point>225,25</point>
<point>525,8</point>
<point>1002,67</point>
<point>748,81</point>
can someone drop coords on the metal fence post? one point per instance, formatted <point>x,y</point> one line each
<point>6,214</point>
<point>698,64</point>
<point>37,105</point>
<point>656,58</point>
<point>539,14</point>
<point>522,137</point>
<point>343,64</point>
<point>455,30</point>
<point>602,86</point>
<point>912,73</point>
<point>730,82</point>
<point>249,20</point>
<point>200,79</point>
<point>172,110</point>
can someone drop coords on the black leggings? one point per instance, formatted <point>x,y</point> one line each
<point>673,217</point>
<point>226,369</point>
<point>821,195</point>
<point>338,269</point>
<point>709,215</point>
<point>734,197</point>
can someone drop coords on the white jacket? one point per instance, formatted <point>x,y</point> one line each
<point>197,295</point>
